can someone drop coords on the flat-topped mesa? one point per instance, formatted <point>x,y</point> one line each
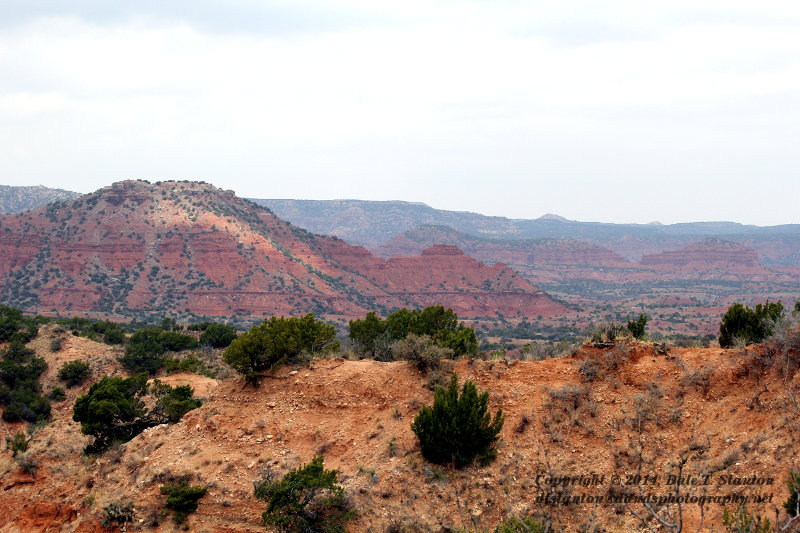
<point>709,258</point>
<point>707,252</point>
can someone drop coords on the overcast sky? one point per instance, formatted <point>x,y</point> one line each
<point>617,111</point>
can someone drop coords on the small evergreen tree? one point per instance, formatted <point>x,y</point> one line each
<point>20,390</point>
<point>307,500</point>
<point>369,336</point>
<point>750,325</point>
<point>458,428</point>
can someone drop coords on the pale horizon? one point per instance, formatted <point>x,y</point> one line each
<point>622,112</point>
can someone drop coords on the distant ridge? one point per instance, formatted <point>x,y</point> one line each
<point>16,199</point>
<point>372,224</point>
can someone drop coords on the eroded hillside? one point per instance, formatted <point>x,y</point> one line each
<point>612,410</point>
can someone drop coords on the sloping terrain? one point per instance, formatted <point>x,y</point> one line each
<point>188,249</point>
<point>612,411</point>
<point>18,199</point>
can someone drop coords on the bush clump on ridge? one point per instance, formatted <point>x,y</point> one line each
<point>375,336</point>
<point>277,341</point>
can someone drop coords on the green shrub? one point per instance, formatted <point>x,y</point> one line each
<point>56,344</point>
<point>172,402</point>
<point>306,500</point>
<point>749,325</point>
<point>14,326</point>
<point>18,444</point>
<point>218,335</point>
<point>277,341</point>
<point>96,330</point>
<point>187,364</point>
<point>458,428</point>
<point>743,521</point>
<point>74,373</point>
<point>637,326</point>
<point>20,390</point>
<point>182,499</point>
<point>520,525</point>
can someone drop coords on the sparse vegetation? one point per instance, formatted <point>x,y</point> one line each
<point>458,428</point>
<point>511,525</point>
<point>742,521</point>
<point>421,351</point>
<point>307,500</point>
<point>18,444</point>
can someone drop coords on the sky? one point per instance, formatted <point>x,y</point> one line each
<point>612,111</point>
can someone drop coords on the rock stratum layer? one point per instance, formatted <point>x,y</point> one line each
<point>136,249</point>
